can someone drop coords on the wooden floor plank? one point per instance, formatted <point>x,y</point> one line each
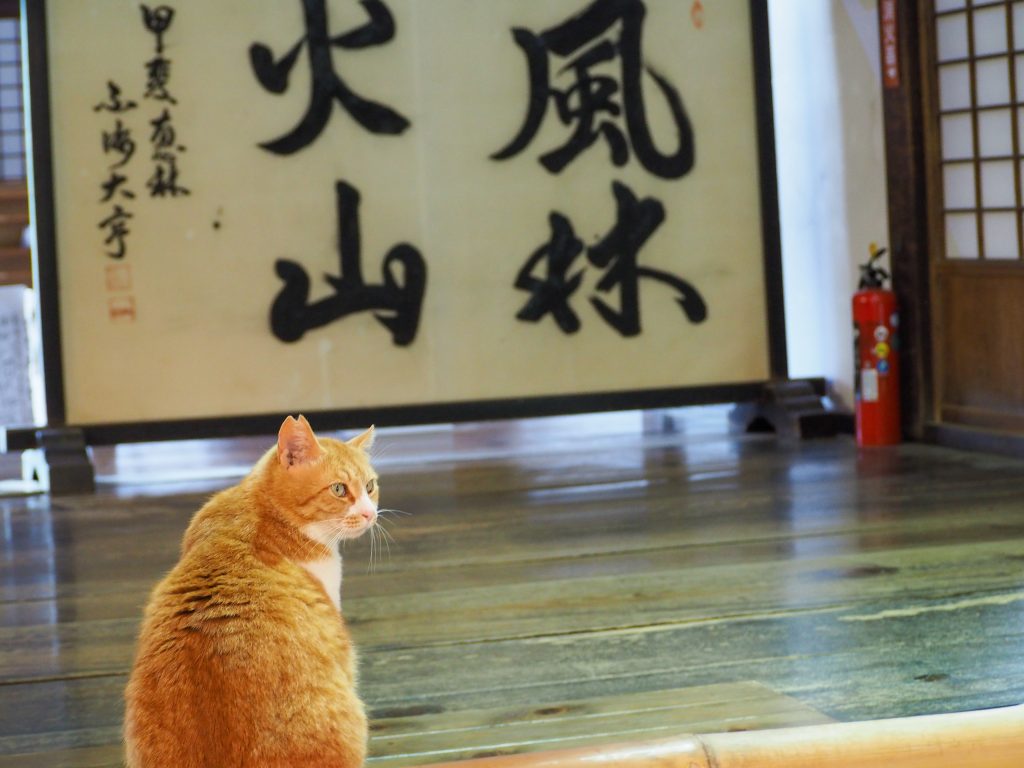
<point>576,604</point>
<point>121,593</point>
<point>850,670</point>
<point>845,668</point>
<point>428,543</point>
<point>483,732</point>
<point>106,756</point>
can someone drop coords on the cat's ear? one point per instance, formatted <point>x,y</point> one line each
<point>363,441</point>
<point>296,443</point>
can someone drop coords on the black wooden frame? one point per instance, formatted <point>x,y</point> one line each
<point>47,281</point>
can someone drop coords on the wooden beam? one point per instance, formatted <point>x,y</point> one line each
<point>905,155</point>
<point>987,739</point>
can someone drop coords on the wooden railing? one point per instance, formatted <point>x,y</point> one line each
<point>986,739</point>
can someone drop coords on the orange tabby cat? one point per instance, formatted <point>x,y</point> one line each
<point>243,657</point>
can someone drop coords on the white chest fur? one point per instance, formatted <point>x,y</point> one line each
<point>328,572</point>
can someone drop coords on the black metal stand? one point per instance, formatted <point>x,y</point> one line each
<point>60,463</point>
<point>791,409</point>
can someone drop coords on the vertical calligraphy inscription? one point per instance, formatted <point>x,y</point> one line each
<point>592,100</point>
<point>114,102</point>
<point>617,253</point>
<point>551,293</point>
<point>397,300</point>
<point>163,138</point>
<point>116,227</point>
<point>326,85</point>
<point>119,146</point>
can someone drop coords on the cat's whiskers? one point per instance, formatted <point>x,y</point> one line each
<point>385,532</point>
<point>335,546</point>
<point>339,536</point>
<point>310,547</point>
<point>334,534</point>
<point>380,541</point>
<point>336,531</point>
<point>373,548</point>
<point>385,537</point>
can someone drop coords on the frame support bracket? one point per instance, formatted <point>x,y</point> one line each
<point>60,463</point>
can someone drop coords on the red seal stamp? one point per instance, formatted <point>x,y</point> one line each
<point>121,308</point>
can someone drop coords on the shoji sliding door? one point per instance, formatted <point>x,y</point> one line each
<point>974,68</point>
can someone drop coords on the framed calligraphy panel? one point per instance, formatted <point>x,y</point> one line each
<point>399,210</point>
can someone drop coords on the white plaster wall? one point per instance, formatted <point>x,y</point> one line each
<point>831,172</point>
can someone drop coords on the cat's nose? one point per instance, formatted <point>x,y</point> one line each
<point>367,514</point>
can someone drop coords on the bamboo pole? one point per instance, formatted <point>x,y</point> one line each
<point>991,738</point>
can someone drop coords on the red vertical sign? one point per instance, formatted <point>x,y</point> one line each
<point>890,43</point>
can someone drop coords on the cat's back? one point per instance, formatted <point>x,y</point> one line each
<point>227,585</point>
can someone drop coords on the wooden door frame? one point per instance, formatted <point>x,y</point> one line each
<point>913,151</point>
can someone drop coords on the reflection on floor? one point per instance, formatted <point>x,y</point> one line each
<point>566,581</point>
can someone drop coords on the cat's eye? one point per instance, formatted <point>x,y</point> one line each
<point>370,486</point>
<point>339,490</point>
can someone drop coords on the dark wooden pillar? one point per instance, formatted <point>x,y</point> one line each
<point>904,96</point>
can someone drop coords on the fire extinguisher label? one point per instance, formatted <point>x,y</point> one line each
<point>869,385</point>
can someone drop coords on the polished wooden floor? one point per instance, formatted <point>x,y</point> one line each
<point>566,581</point>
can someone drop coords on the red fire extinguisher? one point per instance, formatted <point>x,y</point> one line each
<point>876,344</point>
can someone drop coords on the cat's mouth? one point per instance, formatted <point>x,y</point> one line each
<point>330,531</point>
<point>360,525</point>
